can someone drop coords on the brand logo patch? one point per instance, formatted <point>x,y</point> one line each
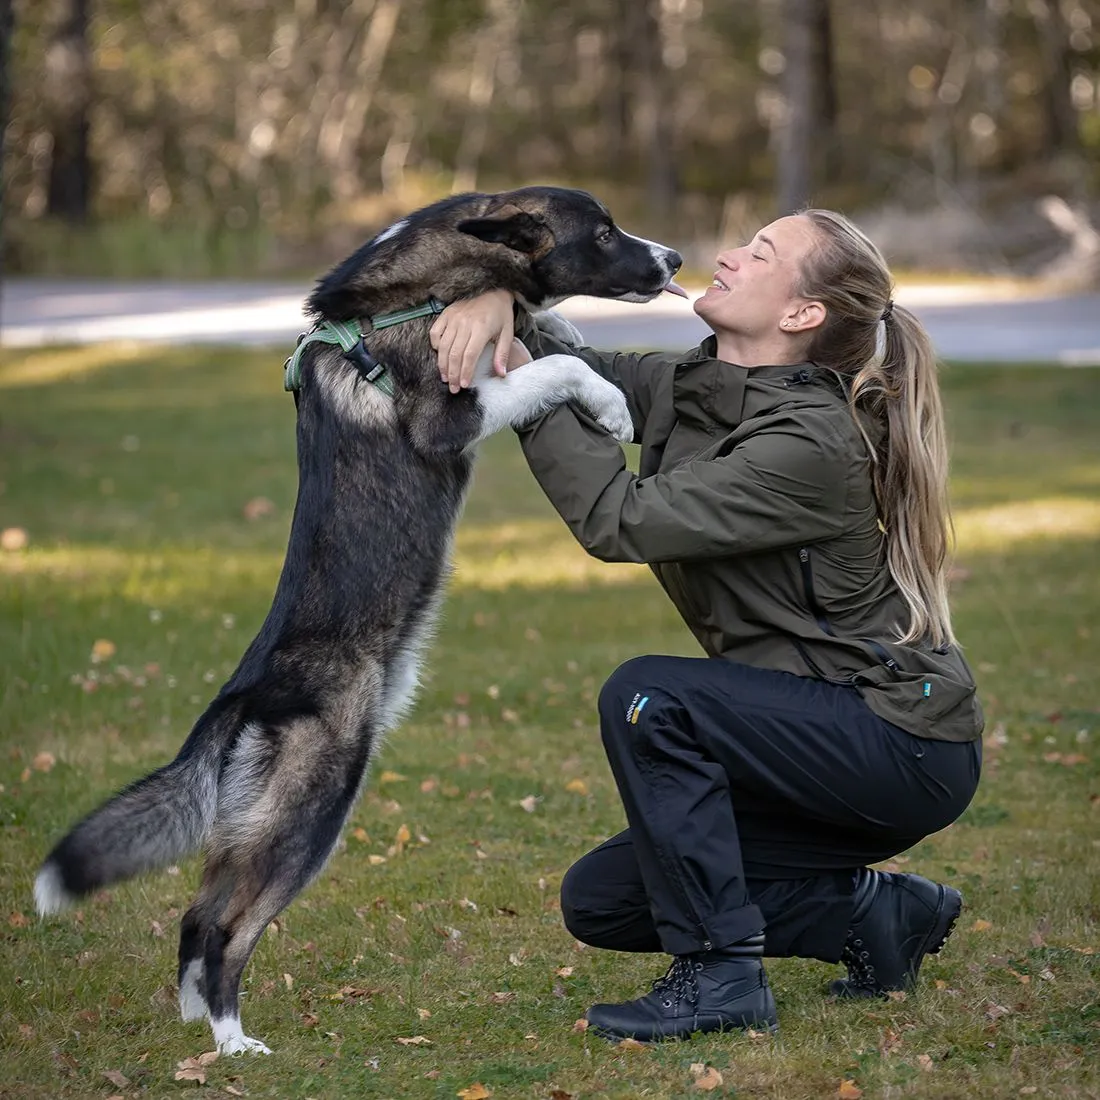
<point>635,708</point>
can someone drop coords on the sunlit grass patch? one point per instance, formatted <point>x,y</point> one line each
<point>155,492</point>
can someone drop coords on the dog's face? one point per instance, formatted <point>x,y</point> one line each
<point>575,247</point>
<point>541,243</point>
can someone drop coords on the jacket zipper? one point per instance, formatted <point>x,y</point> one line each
<point>822,620</point>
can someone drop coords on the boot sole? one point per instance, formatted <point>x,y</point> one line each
<point>951,905</point>
<point>726,1029</point>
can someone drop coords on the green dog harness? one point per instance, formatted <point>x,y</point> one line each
<point>348,335</point>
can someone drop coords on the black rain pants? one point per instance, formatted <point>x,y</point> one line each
<point>752,796</point>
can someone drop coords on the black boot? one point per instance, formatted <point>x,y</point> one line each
<point>898,919</point>
<point>710,991</point>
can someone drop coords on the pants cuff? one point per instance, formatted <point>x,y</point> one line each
<point>718,932</point>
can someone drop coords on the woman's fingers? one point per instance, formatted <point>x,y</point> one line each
<point>465,329</point>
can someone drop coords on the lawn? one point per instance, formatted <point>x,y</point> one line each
<point>429,959</point>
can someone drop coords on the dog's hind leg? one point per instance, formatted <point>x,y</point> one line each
<point>287,797</point>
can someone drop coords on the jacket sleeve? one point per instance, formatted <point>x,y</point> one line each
<point>783,485</point>
<point>637,375</point>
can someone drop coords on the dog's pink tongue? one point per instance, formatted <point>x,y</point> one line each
<point>675,288</point>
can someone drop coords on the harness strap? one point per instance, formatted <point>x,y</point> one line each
<point>384,320</point>
<point>349,336</point>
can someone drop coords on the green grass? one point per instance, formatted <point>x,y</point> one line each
<point>131,470</point>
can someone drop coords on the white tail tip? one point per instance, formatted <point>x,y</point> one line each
<point>50,895</point>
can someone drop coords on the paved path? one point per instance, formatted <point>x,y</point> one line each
<point>972,323</point>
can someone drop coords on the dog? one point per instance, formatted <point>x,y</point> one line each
<point>270,771</point>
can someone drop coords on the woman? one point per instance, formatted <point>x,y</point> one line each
<point>791,500</point>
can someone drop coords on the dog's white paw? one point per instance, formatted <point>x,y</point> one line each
<point>230,1039</point>
<point>243,1044</point>
<point>608,406</point>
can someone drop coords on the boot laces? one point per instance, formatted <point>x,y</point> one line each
<point>861,971</point>
<point>679,983</point>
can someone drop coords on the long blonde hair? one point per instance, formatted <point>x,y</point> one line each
<point>896,385</point>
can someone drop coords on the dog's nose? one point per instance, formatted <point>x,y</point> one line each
<point>675,260</point>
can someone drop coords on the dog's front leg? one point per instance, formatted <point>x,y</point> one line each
<point>536,387</point>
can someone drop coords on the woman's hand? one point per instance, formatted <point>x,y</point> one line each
<point>463,331</point>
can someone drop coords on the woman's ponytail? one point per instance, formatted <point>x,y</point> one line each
<point>888,360</point>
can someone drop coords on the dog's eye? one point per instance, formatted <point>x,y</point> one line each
<point>604,235</point>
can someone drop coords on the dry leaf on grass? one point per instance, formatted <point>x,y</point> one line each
<point>194,1069</point>
<point>577,786</point>
<point>476,1091</point>
<point>707,1078</point>
<point>415,1041</point>
<point>43,762</point>
<point>564,972</point>
<point>529,804</point>
<point>925,1062</point>
<point>981,926</point>
<point>560,1094</point>
<point>423,1013</point>
<point>631,1044</point>
<point>391,777</point>
<point>581,1025</point>
<point>376,860</point>
<point>502,998</point>
<point>848,1090</point>
<point>17,920</point>
<point>995,1012</point>
<point>102,650</point>
<point>116,1078</point>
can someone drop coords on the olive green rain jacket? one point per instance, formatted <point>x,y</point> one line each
<point>753,505</point>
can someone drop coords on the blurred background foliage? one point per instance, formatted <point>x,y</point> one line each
<point>267,137</point>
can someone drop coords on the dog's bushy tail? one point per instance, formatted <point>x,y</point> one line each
<point>151,824</point>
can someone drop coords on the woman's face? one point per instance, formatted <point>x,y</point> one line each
<point>752,292</point>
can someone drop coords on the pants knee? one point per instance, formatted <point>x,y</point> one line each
<point>628,685</point>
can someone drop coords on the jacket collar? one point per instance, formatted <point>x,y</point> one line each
<point>710,393</point>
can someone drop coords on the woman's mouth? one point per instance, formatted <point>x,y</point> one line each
<point>718,284</point>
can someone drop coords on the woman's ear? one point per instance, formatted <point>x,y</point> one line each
<point>804,317</point>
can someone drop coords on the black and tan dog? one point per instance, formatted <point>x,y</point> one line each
<point>270,771</point>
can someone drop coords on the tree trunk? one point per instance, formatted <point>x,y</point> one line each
<point>7,27</point>
<point>68,95</point>
<point>1061,118</point>
<point>809,100</point>
<point>653,117</point>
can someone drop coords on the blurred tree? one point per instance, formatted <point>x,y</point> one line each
<point>67,92</point>
<point>808,116</point>
<point>1057,69</point>
<point>7,26</point>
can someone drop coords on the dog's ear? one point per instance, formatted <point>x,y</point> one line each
<point>509,226</point>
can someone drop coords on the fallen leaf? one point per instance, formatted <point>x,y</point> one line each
<point>1029,1090</point>
<point>361,835</point>
<point>560,1094</point>
<point>564,972</point>
<point>309,1020</point>
<point>577,786</point>
<point>995,1012</point>
<point>102,650</point>
<point>708,1080</point>
<point>897,994</point>
<point>981,926</point>
<point>631,1044</point>
<point>476,1091</point>
<point>581,1025</point>
<point>529,804</point>
<point>402,837</point>
<point>17,920</point>
<point>116,1078</point>
<point>1046,974</point>
<point>423,1013</point>
<point>375,859</point>
<point>391,777</point>
<point>940,983</point>
<point>233,1091</point>
<point>43,762</point>
<point>1023,979</point>
<point>925,1062</point>
<point>504,999</point>
<point>13,538</point>
<point>518,958</point>
<point>415,1041</point>
<point>848,1090</point>
<point>433,1074</point>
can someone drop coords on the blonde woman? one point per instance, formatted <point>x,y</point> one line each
<point>791,500</point>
